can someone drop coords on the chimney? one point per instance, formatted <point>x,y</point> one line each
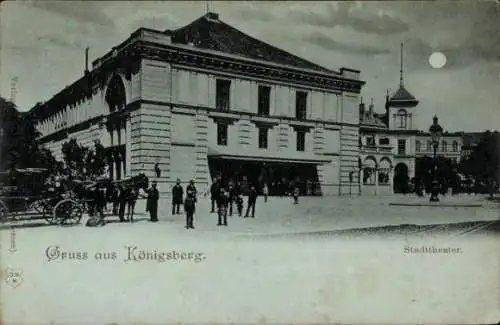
<point>370,108</point>
<point>361,108</point>
<point>86,60</point>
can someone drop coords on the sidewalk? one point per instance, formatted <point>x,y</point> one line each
<point>280,215</point>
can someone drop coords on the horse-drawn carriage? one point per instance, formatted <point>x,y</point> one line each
<point>23,193</point>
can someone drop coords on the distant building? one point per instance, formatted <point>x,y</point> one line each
<point>206,100</point>
<point>390,143</point>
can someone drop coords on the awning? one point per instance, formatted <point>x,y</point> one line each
<point>268,157</point>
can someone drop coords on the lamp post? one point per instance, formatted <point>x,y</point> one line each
<point>436,131</point>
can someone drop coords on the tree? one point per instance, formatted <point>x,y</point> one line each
<point>83,162</point>
<point>446,172</point>
<point>484,163</point>
<point>19,141</point>
<point>75,158</point>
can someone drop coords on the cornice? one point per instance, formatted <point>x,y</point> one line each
<point>212,61</point>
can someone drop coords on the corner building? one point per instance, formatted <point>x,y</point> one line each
<point>390,143</point>
<point>207,99</point>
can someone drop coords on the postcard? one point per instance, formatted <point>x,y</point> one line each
<point>217,162</point>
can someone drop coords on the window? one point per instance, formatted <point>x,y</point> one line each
<point>417,146</point>
<point>370,141</point>
<point>264,100</point>
<point>455,146</point>
<point>301,140</point>
<point>263,138</point>
<point>383,176</point>
<point>444,146</point>
<point>384,141</point>
<point>222,134</point>
<point>429,146</point>
<point>369,176</point>
<point>401,147</point>
<point>401,118</point>
<point>222,94</point>
<point>300,105</point>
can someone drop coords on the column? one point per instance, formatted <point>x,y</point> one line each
<point>128,148</point>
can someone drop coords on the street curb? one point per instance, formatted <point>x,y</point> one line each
<point>438,205</point>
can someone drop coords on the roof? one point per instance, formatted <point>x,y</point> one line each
<point>374,120</point>
<point>403,98</point>
<point>208,32</point>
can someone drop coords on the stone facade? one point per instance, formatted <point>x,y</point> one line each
<point>156,104</point>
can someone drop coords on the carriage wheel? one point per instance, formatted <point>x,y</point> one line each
<point>38,206</point>
<point>47,212</point>
<point>67,211</point>
<point>4,212</point>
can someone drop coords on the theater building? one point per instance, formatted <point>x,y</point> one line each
<point>206,100</point>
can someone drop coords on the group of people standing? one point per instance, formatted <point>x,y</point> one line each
<point>224,199</point>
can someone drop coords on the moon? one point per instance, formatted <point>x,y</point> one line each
<point>437,60</point>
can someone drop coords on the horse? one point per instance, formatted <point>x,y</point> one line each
<point>128,193</point>
<point>120,193</point>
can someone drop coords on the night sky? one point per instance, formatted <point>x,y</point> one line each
<point>42,44</point>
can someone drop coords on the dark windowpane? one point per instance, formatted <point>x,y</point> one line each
<point>300,105</point>
<point>301,140</point>
<point>264,100</point>
<point>384,141</point>
<point>401,147</point>
<point>263,138</point>
<point>222,94</point>
<point>222,134</point>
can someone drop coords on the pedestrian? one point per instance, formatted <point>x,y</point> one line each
<point>231,198</point>
<point>152,202</point>
<point>252,199</point>
<point>177,195</point>
<point>189,208</point>
<point>214,190</point>
<point>193,189</point>
<point>296,193</point>
<point>122,202</point>
<point>222,207</point>
<point>265,191</point>
<point>239,204</point>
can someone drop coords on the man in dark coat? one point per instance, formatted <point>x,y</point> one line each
<point>192,188</point>
<point>152,202</point>
<point>177,194</point>
<point>214,192</point>
<point>252,199</point>
<point>122,202</point>
<point>231,199</point>
<point>222,199</point>
<point>189,208</point>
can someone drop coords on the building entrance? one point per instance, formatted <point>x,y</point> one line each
<point>280,177</point>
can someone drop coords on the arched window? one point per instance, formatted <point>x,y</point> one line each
<point>455,146</point>
<point>115,94</point>
<point>444,146</point>
<point>384,171</point>
<point>401,118</point>
<point>369,172</point>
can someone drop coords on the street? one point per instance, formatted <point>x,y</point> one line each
<point>316,216</point>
